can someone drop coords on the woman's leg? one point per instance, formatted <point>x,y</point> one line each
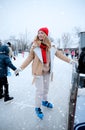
<point>45,86</point>
<point>38,97</point>
<point>46,81</point>
<point>1,89</point>
<point>39,91</point>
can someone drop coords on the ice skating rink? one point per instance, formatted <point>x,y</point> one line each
<point>20,114</point>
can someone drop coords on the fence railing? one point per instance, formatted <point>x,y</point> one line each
<point>73,97</point>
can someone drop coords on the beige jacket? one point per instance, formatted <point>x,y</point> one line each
<point>35,57</point>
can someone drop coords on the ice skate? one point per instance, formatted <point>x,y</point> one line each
<point>1,96</point>
<point>47,104</point>
<point>39,113</point>
<point>7,98</point>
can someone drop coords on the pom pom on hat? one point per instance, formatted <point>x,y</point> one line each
<point>45,30</point>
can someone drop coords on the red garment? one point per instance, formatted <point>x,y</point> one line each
<point>43,50</point>
<point>45,30</point>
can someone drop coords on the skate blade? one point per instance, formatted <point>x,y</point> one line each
<point>8,102</point>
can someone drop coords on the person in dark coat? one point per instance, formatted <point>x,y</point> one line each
<point>81,67</point>
<point>5,62</point>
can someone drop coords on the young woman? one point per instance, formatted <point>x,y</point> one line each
<point>42,55</point>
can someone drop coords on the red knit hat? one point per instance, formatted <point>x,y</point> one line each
<point>45,30</point>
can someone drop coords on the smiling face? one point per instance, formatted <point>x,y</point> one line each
<point>41,35</point>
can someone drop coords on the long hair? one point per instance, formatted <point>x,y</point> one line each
<point>46,41</point>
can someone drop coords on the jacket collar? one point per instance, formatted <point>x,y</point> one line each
<point>37,50</point>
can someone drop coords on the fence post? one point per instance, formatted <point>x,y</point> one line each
<point>73,98</point>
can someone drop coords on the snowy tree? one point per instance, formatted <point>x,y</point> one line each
<point>65,39</point>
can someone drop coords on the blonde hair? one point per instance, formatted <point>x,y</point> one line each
<point>46,41</point>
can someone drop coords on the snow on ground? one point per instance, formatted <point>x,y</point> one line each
<point>20,114</point>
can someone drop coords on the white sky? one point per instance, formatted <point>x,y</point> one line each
<point>18,16</point>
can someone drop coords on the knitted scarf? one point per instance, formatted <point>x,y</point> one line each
<point>43,50</point>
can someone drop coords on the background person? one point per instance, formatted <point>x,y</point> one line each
<point>11,55</point>
<point>81,67</point>
<point>5,62</point>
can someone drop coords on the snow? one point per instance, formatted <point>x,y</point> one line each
<point>20,115</point>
